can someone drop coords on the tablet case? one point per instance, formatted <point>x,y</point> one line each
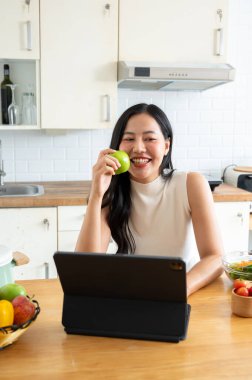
<point>126,296</point>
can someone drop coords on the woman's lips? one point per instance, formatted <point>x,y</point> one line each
<point>140,161</point>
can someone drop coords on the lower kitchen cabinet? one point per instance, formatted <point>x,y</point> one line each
<point>233,220</point>
<point>40,231</point>
<point>70,219</point>
<point>32,231</point>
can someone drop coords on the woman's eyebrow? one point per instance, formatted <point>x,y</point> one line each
<point>145,132</point>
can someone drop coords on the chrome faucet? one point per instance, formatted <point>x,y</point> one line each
<point>2,172</point>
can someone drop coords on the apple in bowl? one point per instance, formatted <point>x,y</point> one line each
<point>24,309</point>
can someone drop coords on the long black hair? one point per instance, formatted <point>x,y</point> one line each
<point>117,197</point>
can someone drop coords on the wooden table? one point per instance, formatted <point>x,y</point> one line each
<point>218,345</point>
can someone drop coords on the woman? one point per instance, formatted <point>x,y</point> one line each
<point>151,209</point>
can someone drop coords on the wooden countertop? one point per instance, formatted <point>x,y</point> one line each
<point>218,344</point>
<point>74,193</point>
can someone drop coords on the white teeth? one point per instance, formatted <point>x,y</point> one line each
<point>140,160</point>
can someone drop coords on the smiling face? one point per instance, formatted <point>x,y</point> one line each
<point>146,146</point>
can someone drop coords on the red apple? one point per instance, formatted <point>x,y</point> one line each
<point>24,309</point>
<point>250,291</point>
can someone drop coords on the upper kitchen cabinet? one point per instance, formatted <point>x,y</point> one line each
<point>20,49</point>
<point>184,31</point>
<point>19,29</point>
<point>78,63</point>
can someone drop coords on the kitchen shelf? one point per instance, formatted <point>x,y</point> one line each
<point>23,73</point>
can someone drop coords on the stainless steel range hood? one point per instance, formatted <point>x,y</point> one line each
<point>172,77</point>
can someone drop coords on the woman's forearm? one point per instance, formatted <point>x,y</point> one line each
<point>89,239</point>
<point>204,272</point>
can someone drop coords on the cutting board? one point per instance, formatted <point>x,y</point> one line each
<point>246,169</point>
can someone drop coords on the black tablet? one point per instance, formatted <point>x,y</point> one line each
<point>127,296</point>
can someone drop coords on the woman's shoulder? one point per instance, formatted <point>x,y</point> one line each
<point>193,182</point>
<point>198,189</point>
<point>195,179</point>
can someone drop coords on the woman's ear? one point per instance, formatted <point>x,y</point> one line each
<point>167,146</point>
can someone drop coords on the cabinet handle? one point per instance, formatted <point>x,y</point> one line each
<point>107,9</point>
<point>46,270</point>
<point>219,41</point>
<point>220,14</point>
<point>46,223</point>
<point>29,35</point>
<point>27,2</point>
<point>240,215</point>
<point>106,108</point>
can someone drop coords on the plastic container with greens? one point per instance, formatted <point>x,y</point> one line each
<point>238,265</point>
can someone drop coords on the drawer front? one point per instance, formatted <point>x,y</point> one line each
<point>70,218</point>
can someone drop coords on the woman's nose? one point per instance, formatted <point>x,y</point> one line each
<point>139,146</point>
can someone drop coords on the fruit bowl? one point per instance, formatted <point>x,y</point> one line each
<point>241,306</point>
<point>238,265</point>
<point>9,334</point>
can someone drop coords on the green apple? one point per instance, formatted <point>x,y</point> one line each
<point>10,291</point>
<point>124,160</point>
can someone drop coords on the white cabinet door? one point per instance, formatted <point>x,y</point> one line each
<point>172,30</point>
<point>78,63</point>
<point>70,219</point>
<point>19,29</point>
<point>32,231</point>
<point>233,219</point>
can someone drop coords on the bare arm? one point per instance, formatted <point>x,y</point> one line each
<point>206,233</point>
<point>95,232</point>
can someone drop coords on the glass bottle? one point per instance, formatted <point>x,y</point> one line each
<point>29,116</point>
<point>5,95</point>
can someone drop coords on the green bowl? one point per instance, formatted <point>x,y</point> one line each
<point>238,265</point>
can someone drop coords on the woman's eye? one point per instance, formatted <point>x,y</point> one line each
<point>128,139</point>
<point>150,139</point>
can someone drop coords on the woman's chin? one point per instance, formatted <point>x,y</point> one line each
<point>143,176</point>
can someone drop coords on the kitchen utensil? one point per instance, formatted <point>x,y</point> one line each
<point>8,260</point>
<point>238,176</point>
<point>240,305</point>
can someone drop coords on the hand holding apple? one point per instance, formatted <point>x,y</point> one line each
<point>123,159</point>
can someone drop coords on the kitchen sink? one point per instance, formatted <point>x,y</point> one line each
<point>19,190</point>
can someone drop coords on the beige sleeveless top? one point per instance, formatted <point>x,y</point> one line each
<point>161,219</point>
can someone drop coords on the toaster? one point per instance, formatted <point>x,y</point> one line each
<point>238,176</point>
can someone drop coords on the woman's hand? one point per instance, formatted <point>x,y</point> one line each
<point>103,171</point>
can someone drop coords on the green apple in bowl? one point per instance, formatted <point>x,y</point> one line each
<point>10,291</point>
<point>124,160</point>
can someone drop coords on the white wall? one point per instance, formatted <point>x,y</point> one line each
<point>212,129</point>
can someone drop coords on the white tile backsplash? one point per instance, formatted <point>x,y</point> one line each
<point>212,129</point>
